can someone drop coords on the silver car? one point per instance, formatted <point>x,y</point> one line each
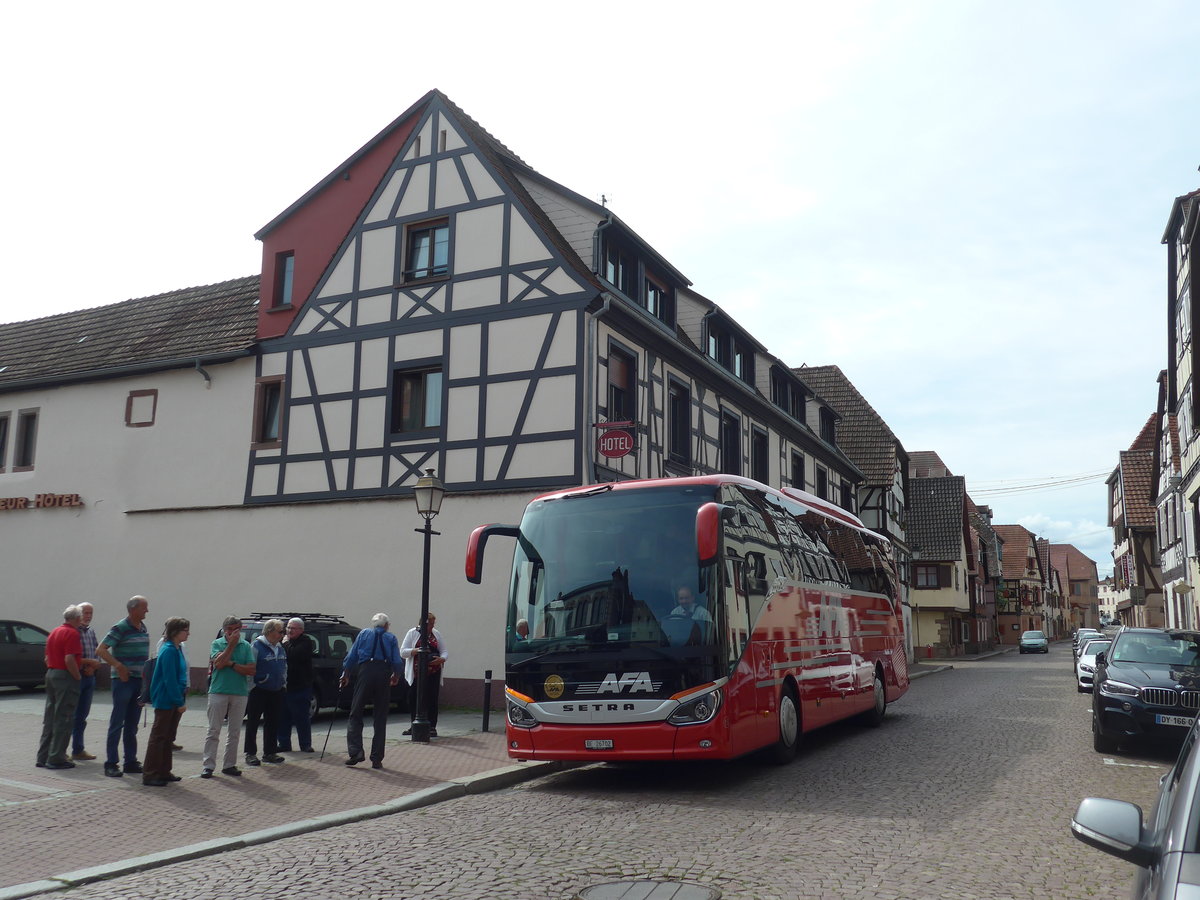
<point>1085,665</point>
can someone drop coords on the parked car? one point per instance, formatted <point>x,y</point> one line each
<point>1034,642</point>
<point>332,638</point>
<point>1082,635</point>
<point>22,654</point>
<point>1085,666</point>
<point>1165,847</point>
<point>1146,686</point>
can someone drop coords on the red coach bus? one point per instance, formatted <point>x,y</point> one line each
<point>692,618</point>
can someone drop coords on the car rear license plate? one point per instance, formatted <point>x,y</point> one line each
<point>1183,721</point>
<point>597,745</point>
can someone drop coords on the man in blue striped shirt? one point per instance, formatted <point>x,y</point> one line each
<point>126,648</point>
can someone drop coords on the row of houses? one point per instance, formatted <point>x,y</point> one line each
<point>434,303</point>
<point>1154,492</point>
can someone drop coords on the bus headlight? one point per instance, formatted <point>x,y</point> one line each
<point>519,716</point>
<point>697,710</point>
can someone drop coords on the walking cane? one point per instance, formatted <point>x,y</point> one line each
<point>337,704</point>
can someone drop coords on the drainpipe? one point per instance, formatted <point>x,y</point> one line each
<point>591,343</point>
<point>204,374</point>
<point>593,332</point>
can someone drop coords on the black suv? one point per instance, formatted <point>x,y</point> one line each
<point>1147,685</point>
<point>332,638</point>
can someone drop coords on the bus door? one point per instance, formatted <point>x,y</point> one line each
<point>742,694</point>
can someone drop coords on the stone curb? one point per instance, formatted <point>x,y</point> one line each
<point>448,790</point>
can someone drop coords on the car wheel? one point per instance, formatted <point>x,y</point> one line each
<point>314,704</point>
<point>783,751</point>
<point>874,716</point>
<point>1101,742</point>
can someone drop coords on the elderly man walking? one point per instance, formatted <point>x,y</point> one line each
<point>126,648</point>
<point>374,660</point>
<point>63,652</point>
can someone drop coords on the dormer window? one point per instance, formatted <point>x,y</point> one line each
<point>285,273</point>
<point>729,352</point>
<point>618,268</point>
<point>787,394</point>
<point>828,426</point>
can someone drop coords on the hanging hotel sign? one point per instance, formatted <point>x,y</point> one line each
<point>40,501</point>
<point>614,439</point>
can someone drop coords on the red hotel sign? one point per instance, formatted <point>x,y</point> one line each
<point>40,501</point>
<point>613,442</point>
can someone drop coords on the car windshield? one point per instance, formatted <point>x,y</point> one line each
<point>1033,636</point>
<point>1173,648</point>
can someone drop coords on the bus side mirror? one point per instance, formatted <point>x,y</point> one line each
<point>709,519</point>
<point>475,545</point>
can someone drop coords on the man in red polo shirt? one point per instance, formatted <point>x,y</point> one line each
<point>64,649</point>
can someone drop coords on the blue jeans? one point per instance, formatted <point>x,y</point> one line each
<point>87,687</point>
<point>124,719</point>
<point>295,715</point>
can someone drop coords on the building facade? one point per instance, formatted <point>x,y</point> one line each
<point>432,304</point>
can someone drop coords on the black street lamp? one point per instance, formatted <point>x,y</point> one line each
<point>428,494</point>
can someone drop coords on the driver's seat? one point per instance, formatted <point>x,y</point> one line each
<point>680,630</point>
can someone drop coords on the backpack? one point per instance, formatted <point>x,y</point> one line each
<point>147,677</point>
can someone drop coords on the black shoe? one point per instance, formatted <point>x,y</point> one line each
<point>273,758</point>
<point>282,749</point>
<point>406,731</point>
<point>252,760</point>
<point>174,778</point>
<point>177,746</point>
<point>231,770</point>
<point>376,764</point>
<point>154,782</point>
<point>355,760</point>
<point>40,765</point>
<point>307,750</point>
<point>112,770</point>
<point>65,764</point>
<point>206,773</point>
<point>433,732</point>
<point>133,768</point>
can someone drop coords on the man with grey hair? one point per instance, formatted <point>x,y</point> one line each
<point>88,665</point>
<point>375,662</point>
<point>126,648</point>
<point>63,652</point>
<point>297,697</point>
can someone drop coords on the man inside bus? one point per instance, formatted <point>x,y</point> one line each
<point>688,608</point>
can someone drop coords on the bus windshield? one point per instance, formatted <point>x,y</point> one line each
<point>609,570</point>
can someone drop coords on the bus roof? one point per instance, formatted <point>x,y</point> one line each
<point>824,507</point>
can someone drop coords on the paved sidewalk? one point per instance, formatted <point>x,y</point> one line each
<point>65,827</point>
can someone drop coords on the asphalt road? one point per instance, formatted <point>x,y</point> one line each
<point>966,791</point>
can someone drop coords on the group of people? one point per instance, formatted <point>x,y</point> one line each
<point>269,681</point>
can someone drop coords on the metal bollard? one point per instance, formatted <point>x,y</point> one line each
<point>487,698</point>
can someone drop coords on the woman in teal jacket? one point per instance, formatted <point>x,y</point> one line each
<point>168,697</point>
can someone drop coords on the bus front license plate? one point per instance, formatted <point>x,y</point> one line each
<point>597,745</point>
<point>1183,721</point>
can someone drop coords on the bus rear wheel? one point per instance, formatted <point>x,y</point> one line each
<point>783,751</point>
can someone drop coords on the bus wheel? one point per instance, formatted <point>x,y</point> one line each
<point>783,751</point>
<point>874,716</point>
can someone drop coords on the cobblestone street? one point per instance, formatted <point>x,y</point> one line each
<point>965,792</point>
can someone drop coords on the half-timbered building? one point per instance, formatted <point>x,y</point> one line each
<point>433,303</point>
<point>1132,518</point>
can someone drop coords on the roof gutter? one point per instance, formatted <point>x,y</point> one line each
<point>188,362</point>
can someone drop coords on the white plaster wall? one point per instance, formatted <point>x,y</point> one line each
<point>350,558</point>
<point>194,454</point>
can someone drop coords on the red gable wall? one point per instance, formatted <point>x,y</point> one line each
<point>316,228</point>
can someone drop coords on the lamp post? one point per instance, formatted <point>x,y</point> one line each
<point>428,494</point>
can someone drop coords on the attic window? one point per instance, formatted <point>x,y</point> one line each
<point>285,271</point>
<point>427,250</point>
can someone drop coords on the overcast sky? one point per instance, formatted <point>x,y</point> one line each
<point>959,203</point>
